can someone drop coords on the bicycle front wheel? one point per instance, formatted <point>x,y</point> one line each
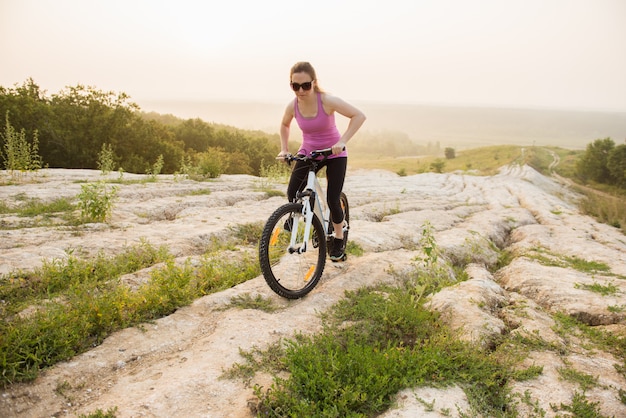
<point>291,263</point>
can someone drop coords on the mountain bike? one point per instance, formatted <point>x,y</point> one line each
<point>295,239</point>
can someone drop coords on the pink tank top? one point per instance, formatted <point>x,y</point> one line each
<point>318,132</point>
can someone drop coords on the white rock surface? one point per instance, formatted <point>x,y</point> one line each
<point>171,368</point>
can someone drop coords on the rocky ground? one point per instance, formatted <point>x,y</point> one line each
<point>173,367</point>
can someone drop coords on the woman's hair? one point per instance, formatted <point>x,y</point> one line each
<point>305,67</point>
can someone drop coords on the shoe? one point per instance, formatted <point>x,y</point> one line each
<point>337,251</point>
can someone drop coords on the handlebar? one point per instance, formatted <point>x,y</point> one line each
<point>326,152</point>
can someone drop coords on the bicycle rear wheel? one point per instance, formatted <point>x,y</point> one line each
<point>289,272</point>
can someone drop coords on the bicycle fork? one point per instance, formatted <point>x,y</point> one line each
<point>310,205</point>
<point>307,212</point>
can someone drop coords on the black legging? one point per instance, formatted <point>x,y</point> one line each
<point>335,174</point>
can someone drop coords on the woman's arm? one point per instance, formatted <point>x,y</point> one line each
<point>357,118</point>
<point>285,128</point>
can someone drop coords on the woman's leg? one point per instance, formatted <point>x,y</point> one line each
<point>336,174</point>
<point>298,178</point>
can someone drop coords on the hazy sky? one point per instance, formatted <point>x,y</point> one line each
<point>539,53</point>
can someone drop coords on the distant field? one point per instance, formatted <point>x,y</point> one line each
<point>480,160</point>
<point>457,127</point>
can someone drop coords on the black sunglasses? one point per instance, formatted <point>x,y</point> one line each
<point>305,86</point>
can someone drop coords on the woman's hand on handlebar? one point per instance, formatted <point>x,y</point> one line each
<point>284,156</point>
<point>339,147</point>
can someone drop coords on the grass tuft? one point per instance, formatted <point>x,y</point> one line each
<point>246,301</point>
<point>580,407</point>
<point>99,413</point>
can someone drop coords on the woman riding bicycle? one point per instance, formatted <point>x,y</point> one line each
<point>314,111</point>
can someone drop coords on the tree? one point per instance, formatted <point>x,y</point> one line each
<point>29,111</point>
<point>195,134</point>
<point>449,153</point>
<point>78,124</point>
<point>85,118</point>
<point>616,164</point>
<point>593,163</point>
<point>143,142</point>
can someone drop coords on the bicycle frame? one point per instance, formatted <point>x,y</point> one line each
<point>313,202</point>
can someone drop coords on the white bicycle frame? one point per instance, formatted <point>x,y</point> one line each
<point>312,192</point>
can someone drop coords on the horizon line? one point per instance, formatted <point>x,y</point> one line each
<point>399,103</point>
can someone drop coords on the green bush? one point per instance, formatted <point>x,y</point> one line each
<point>19,154</point>
<point>106,159</point>
<point>438,165</point>
<point>156,168</point>
<point>211,164</point>
<point>96,201</point>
